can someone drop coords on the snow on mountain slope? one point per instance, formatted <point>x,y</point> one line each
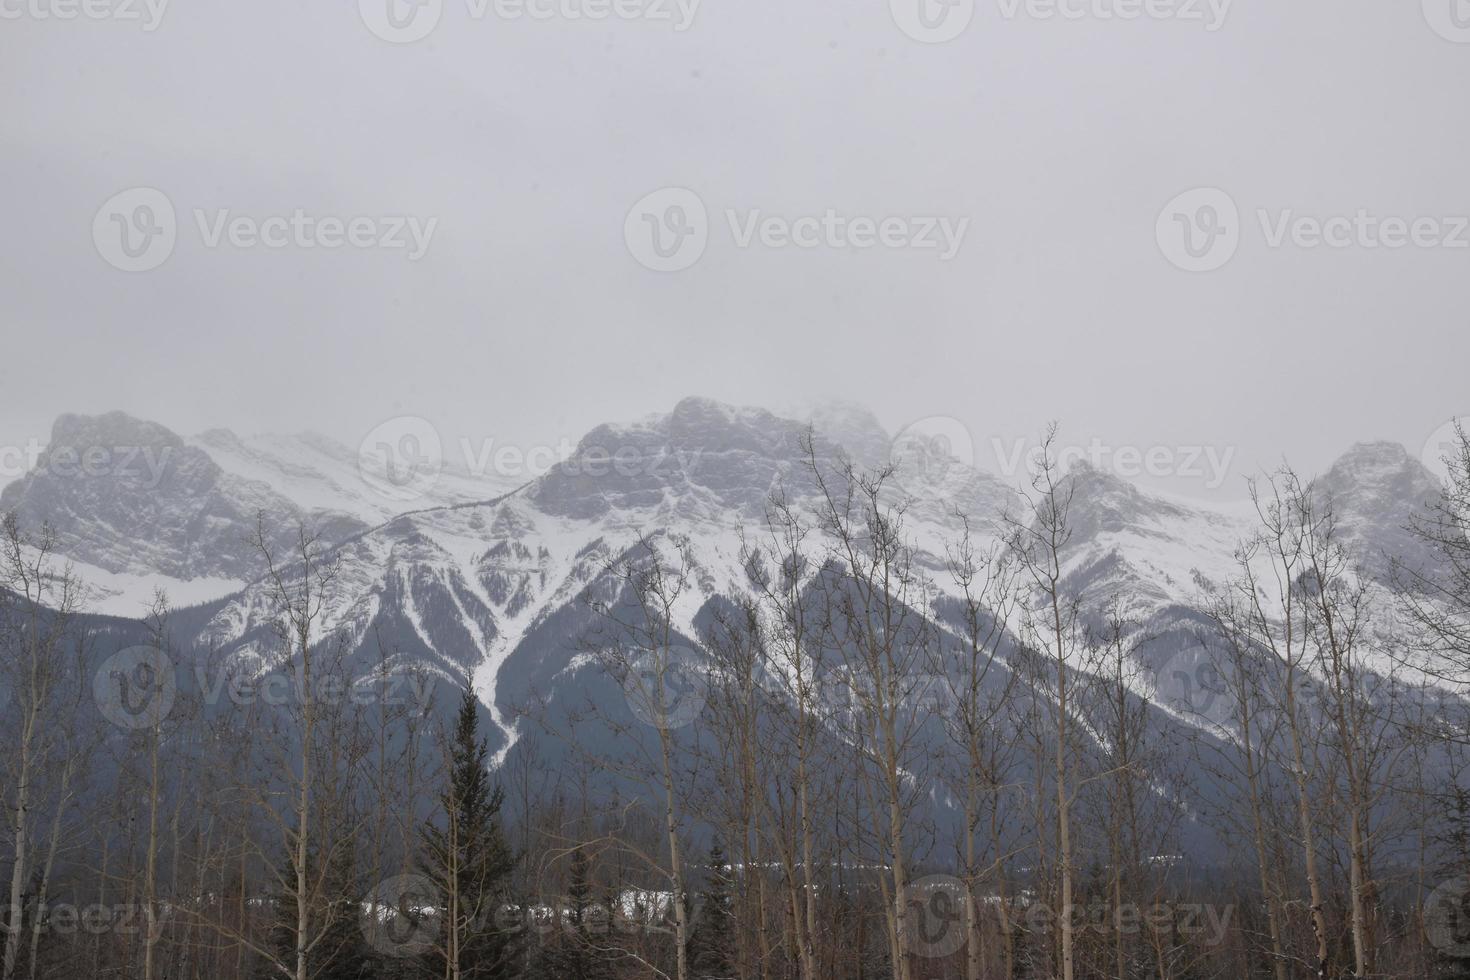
<point>320,475</point>
<point>488,592</point>
<point>463,588</point>
<point>494,592</point>
<point>1144,548</point>
<point>463,585</point>
<point>137,507</point>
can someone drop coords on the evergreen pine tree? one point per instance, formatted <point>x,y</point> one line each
<point>572,951</point>
<point>467,855</point>
<point>339,949</point>
<point>712,944</point>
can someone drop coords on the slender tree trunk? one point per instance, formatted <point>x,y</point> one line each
<point>52,845</point>
<point>806,932</point>
<point>1304,821</point>
<point>671,825</point>
<point>1258,833</point>
<point>1002,891</point>
<point>973,959</point>
<point>22,842</point>
<point>150,860</point>
<point>303,812</point>
<point>1064,803</point>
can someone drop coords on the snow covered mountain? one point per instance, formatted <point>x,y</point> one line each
<point>136,506</point>
<point>486,582</point>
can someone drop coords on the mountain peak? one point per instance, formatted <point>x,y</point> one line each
<point>1378,468</point>
<point>1376,491</point>
<point>703,454</point>
<point>695,407</point>
<point>111,430</point>
<point>1379,454</point>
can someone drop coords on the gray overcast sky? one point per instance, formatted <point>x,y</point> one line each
<point>529,319</point>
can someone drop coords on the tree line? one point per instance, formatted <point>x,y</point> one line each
<point>871,759</point>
